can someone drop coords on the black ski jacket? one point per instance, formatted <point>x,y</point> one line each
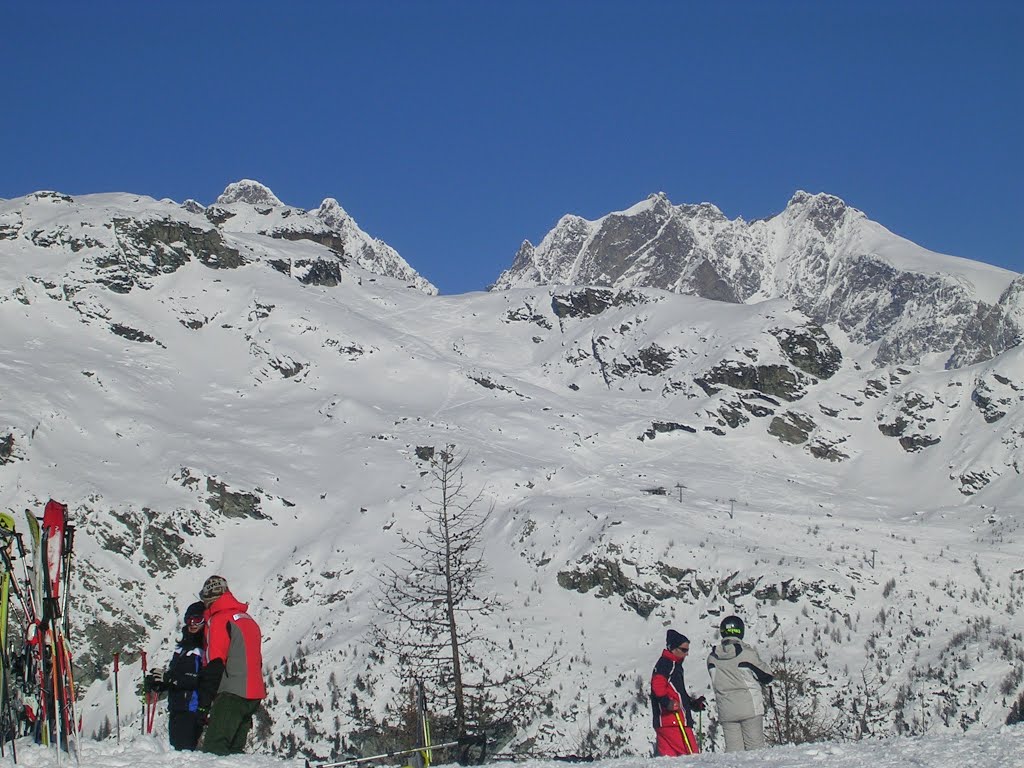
<point>667,685</point>
<point>181,681</point>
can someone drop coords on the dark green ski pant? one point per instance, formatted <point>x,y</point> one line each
<point>230,721</point>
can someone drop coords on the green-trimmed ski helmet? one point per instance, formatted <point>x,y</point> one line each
<point>732,626</point>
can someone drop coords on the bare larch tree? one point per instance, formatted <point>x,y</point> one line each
<point>432,615</point>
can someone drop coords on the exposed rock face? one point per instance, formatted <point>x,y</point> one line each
<point>7,448</point>
<point>792,427</point>
<point>664,427</point>
<point>587,302</point>
<point>777,380</point>
<point>658,582</point>
<point>311,272</point>
<point>607,576</point>
<point>162,246</point>
<point>995,395</point>
<point>232,503</point>
<point>909,418</point>
<point>827,258</point>
<point>810,349</point>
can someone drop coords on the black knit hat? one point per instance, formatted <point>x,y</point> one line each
<point>196,609</point>
<point>673,639</point>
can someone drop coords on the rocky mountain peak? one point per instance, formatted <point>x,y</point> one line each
<point>331,213</point>
<point>659,201</point>
<point>827,258</point>
<point>250,192</point>
<point>826,212</point>
<point>708,211</point>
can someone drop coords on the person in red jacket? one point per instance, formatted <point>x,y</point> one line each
<point>231,682</point>
<point>672,706</point>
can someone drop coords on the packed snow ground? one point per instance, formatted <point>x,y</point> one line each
<point>999,748</point>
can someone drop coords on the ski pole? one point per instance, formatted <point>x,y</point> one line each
<point>117,696</point>
<point>144,696</point>
<point>400,752</point>
<point>59,711</point>
<point>775,711</point>
<point>421,704</point>
<point>682,730</point>
<point>76,725</point>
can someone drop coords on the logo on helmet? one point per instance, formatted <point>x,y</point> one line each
<point>731,626</point>
<point>214,587</point>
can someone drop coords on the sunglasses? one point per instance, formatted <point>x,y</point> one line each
<point>684,650</point>
<point>195,621</point>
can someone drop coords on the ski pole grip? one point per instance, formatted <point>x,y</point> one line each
<point>117,661</point>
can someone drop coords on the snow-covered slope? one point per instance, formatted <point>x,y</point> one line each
<point>827,258</point>
<point>995,749</point>
<point>216,400</point>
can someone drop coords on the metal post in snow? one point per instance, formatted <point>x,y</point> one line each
<point>117,696</point>
<point>143,693</point>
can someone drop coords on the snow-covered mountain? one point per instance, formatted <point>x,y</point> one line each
<point>249,207</point>
<point>827,258</point>
<point>210,394</point>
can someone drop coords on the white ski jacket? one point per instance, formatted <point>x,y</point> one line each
<point>737,674</point>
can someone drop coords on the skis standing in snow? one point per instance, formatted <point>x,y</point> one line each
<point>44,668</point>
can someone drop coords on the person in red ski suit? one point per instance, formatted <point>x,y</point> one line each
<point>671,705</point>
<point>231,681</point>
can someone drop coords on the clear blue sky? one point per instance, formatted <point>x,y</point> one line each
<point>455,130</point>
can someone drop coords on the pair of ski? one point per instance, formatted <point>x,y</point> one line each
<point>421,756</point>
<point>8,707</point>
<point>44,601</point>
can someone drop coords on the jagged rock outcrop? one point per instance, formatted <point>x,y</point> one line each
<point>588,302</point>
<point>792,427</point>
<point>777,380</point>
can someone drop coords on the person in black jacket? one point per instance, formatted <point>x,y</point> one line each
<point>671,704</point>
<point>181,681</point>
